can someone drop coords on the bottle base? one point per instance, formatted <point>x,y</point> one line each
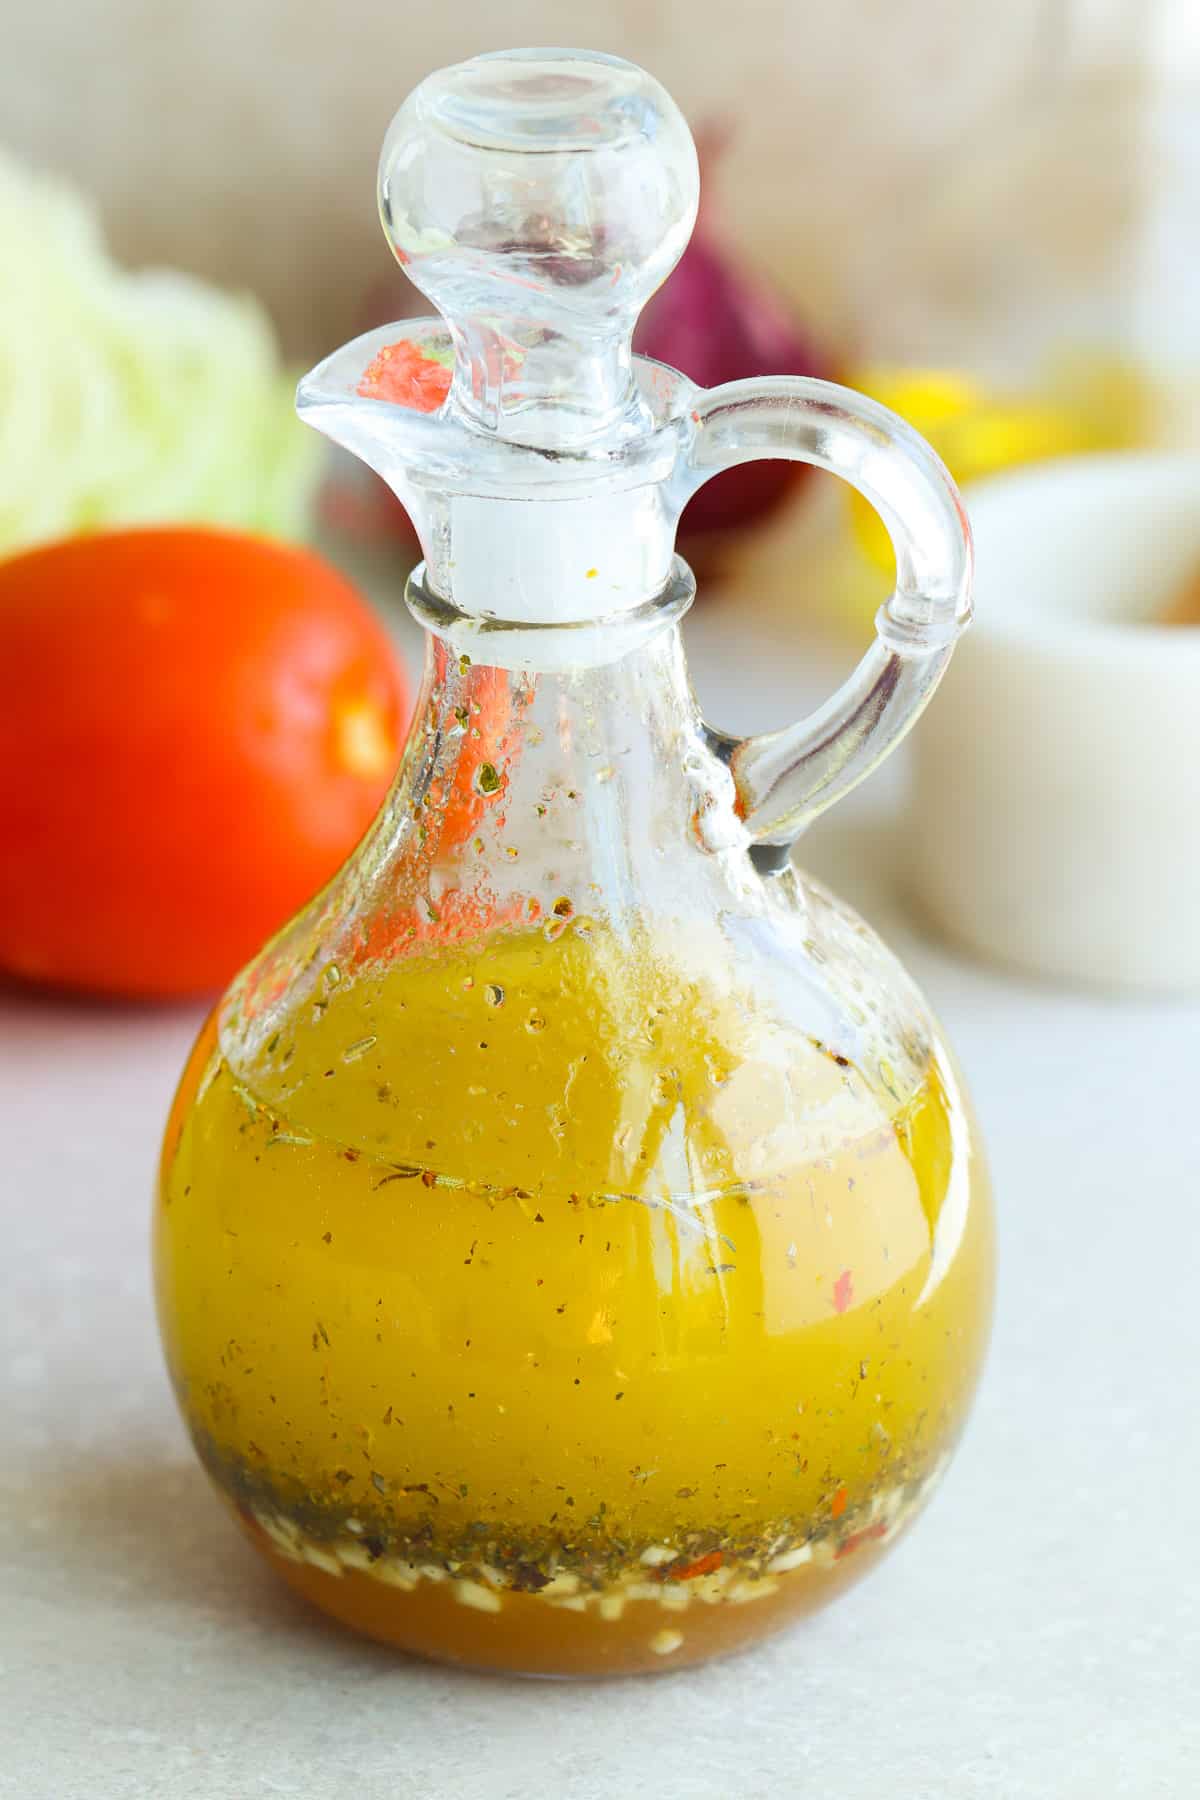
<point>466,1625</point>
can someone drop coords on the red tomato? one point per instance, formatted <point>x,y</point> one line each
<point>197,728</point>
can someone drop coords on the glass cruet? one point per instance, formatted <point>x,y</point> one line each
<point>573,1248</point>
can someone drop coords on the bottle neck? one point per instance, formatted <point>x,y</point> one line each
<point>541,794</point>
<point>591,634</point>
<point>569,560</point>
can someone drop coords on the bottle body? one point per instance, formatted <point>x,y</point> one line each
<point>573,1252</point>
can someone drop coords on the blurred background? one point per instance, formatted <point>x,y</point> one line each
<point>240,142</point>
<point>982,215</point>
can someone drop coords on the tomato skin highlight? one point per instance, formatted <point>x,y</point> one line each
<point>197,727</point>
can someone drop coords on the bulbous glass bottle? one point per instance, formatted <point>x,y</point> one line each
<point>573,1249</point>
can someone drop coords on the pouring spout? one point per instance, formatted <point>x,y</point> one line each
<point>388,435</point>
<point>602,544</point>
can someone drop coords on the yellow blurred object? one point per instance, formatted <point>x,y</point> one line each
<point>1084,401</point>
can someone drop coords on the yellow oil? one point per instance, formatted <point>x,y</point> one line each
<point>548,1304</point>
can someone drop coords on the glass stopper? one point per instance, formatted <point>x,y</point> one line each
<point>538,198</point>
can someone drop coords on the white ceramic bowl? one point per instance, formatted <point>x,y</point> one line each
<point>1056,819</point>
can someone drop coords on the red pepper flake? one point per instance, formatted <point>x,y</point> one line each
<point>843,1291</point>
<point>839,1503</point>
<point>703,1565</point>
<point>404,374</point>
<point>861,1537</point>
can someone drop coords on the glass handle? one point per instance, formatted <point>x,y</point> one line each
<point>785,779</point>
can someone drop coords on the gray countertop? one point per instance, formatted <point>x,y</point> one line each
<point>1037,1635</point>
